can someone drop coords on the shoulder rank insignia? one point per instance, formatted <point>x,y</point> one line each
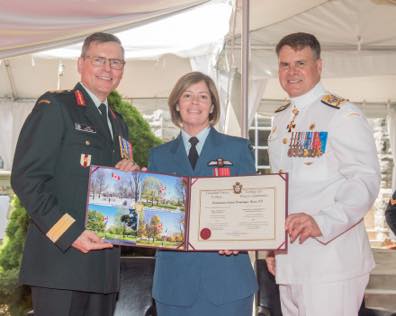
<point>59,91</point>
<point>333,101</point>
<point>282,107</point>
<point>44,101</point>
<point>80,100</point>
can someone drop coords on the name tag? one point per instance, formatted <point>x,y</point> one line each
<point>84,128</point>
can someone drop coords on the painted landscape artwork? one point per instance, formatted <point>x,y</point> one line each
<point>136,208</point>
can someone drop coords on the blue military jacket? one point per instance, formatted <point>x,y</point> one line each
<point>180,277</point>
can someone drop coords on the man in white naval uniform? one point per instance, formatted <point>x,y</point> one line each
<point>327,147</point>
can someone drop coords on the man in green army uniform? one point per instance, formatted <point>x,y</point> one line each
<point>71,270</point>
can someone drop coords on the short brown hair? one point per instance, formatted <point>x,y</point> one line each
<point>99,37</point>
<point>182,85</point>
<point>298,41</point>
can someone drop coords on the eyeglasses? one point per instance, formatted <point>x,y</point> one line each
<point>99,61</point>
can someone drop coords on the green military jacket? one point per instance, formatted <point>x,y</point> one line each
<point>59,140</point>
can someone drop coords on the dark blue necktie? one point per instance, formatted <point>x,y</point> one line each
<point>103,112</point>
<point>193,153</point>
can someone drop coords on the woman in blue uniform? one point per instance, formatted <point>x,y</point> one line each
<point>202,283</point>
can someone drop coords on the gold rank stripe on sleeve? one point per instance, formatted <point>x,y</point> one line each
<point>60,227</point>
<point>44,101</point>
<point>333,101</point>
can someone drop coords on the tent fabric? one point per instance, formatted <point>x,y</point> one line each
<point>31,26</point>
<point>358,39</point>
<point>391,123</point>
<point>12,117</point>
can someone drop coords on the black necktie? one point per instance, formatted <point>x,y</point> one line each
<point>193,154</point>
<point>102,109</point>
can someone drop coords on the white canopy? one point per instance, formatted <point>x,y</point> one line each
<point>358,39</point>
<point>30,26</point>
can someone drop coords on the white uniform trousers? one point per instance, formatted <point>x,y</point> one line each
<point>342,298</point>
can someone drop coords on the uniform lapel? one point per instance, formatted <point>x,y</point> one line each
<point>211,143</point>
<point>93,116</point>
<point>117,132</point>
<point>180,158</point>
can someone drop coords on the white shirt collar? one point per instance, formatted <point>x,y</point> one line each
<point>308,98</point>
<point>94,98</point>
<point>202,135</point>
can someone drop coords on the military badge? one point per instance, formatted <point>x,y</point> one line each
<point>307,144</point>
<point>333,101</point>
<point>84,128</point>
<point>220,167</point>
<point>85,160</point>
<point>282,107</point>
<point>80,100</point>
<point>292,124</point>
<point>126,151</point>
<point>237,187</point>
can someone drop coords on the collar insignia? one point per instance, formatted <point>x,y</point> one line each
<point>80,100</point>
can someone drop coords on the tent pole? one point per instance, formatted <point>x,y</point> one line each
<point>10,79</point>
<point>245,68</point>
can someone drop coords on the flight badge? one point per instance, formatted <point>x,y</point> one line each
<point>85,160</point>
<point>126,151</point>
<point>220,167</point>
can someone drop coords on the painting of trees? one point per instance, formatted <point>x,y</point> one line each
<point>135,183</point>
<point>98,182</point>
<point>154,229</point>
<point>96,221</point>
<point>181,189</point>
<point>142,231</point>
<point>151,189</point>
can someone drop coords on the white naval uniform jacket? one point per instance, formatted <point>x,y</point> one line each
<point>337,189</point>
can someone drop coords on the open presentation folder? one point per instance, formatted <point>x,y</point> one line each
<point>145,209</point>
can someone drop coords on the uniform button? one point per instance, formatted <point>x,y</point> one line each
<point>285,140</point>
<point>87,142</point>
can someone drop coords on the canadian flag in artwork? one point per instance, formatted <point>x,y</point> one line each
<point>115,176</point>
<point>162,189</point>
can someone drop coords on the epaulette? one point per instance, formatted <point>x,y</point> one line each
<point>333,101</point>
<point>60,91</point>
<point>282,107</point>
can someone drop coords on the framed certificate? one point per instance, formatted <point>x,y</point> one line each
<point>145,209</point>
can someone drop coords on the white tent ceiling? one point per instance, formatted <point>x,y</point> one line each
<point>30,26</point>
<point>358,39</point>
